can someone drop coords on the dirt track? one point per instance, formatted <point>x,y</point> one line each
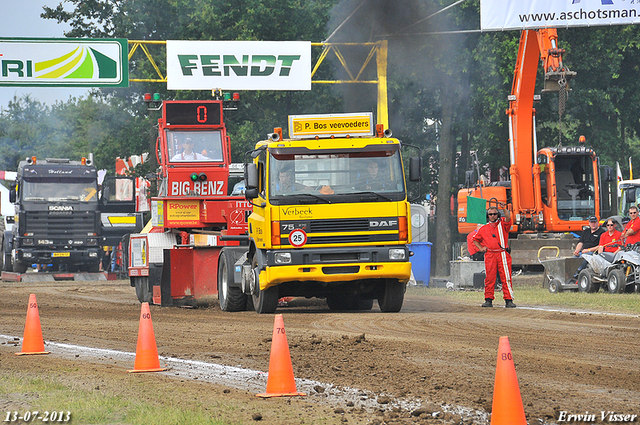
<point>433,350</point>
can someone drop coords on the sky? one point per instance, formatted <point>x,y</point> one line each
<point>21,18</point>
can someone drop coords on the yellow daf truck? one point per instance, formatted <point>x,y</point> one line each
<point>330,218</point>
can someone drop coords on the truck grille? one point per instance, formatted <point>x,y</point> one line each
<point>346,225</point>
<point>343,231</point>
<point>60,223</point>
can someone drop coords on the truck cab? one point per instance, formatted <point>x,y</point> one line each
<point>57,220</point>
<point>330,216</point>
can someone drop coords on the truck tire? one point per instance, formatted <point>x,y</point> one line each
<point>6,251</point>
<point>93,268</point>
<point>264,301</point>
<point>19,267</point>
<point>231,297</point>
<point>616,281</point>
<point>363,304</point>
<point>144,293</point>
<point>585,282</point>
<point>342,302</point>
<point>392,296</point>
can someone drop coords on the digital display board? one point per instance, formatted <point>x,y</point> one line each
<point>193,113</point>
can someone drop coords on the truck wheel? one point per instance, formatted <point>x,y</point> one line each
<point>231,297</point>
<point>585,282</point>
<point>340,302</point>
<point>7,259</point>
<point>362,304</point>
<point>392,296</point>
<point>142,289</point>
<point>93,268</point>
<point>617,281</point>
<point>555,286</point>
<point>263,301</point>
<point>17,266</point>
<point>266,301</point>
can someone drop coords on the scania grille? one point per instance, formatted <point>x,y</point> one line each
<point>47,224</point>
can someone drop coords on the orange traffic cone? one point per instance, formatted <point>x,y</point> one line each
<point>146,351</point>
<point>280,381</point>
<point>32,342</point>
<point>507,408</point>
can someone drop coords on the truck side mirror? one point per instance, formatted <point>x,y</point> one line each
<point>251,181</point>
<point>12,195</point>
<point>251,176</point>
<point>415,169</point>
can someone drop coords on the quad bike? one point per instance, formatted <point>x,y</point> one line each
<point>619,272</point>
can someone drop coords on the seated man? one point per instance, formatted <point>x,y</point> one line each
<point>286,182</point>
<point>588,242</point>
<point>371,179</point>
<point>188,154</point>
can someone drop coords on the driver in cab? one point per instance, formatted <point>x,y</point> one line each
<point>188,154</point>
<point>286,182</point>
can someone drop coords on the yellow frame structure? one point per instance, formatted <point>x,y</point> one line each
<point>378,49</point>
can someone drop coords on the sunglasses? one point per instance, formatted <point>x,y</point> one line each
<point>635,212</point>
<point>610,225</point>
<point>492,214</point>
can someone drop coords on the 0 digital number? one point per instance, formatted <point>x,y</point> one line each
<point>36,415</point>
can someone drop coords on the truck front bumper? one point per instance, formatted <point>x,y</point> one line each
<point>335,265</point>
<point>44,256</point>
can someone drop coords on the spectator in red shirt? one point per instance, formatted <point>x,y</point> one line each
<point>493,240</point>
<point>610,239</point>
<point>631,233</point>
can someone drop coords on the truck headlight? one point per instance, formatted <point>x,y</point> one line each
<point>26,255</point>
<point>27,241</point>
<point>397,254</point>
<point>92,241</point>
<point>93,254</point>
<point>283,258</point>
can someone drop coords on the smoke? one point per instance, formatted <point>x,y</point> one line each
<point>412,56</point>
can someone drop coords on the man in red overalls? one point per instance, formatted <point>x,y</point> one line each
<point>493,239</point>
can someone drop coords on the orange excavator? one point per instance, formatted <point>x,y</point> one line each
<point>553,190</point>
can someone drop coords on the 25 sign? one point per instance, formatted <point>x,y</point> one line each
<point>298,238</point>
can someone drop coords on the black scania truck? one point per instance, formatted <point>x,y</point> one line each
<point>57,216</point>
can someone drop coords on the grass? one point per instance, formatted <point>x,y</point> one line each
<point>528,295</point>
<point>55,393</point>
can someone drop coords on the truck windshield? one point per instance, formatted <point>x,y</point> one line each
<point>196,146</point>
<point>575,187</point>
<point>60,190</point>
<point>630,196</point>
<point>340,177</point>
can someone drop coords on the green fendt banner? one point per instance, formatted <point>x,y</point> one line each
<point>61,62</point>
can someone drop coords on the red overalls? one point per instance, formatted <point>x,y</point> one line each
<point>495,237</point>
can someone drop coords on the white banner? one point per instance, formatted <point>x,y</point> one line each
<point>239,65</point>
<point>510,14</point>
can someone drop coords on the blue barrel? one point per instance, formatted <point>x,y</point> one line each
<point>421,261</point>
